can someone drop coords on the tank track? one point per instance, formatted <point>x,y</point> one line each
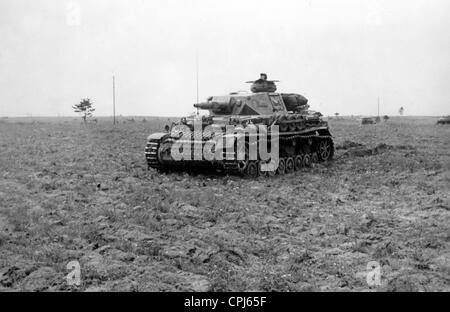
<point>252,169</point>
<point>151,154</point>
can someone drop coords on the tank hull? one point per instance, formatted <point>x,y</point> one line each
<point>297,149</point>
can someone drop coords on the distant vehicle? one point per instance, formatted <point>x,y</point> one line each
<point>444,120</point>
<point>368,120</point>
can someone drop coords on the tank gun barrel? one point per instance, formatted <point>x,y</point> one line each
<point>212,105</point>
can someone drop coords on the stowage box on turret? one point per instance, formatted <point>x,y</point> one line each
<point>303,137</point>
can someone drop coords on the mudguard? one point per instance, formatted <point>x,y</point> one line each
<point>157,136</point>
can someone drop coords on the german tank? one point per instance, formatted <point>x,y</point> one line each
<point>230,137</point>
<point>444,120</point>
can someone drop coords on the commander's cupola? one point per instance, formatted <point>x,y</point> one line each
<point>263,85</point>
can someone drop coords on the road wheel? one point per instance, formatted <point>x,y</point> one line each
<point>252,169</point>
<point>283,127</point>
<point>298,162</point>
<point>306,160</point>
<point>292,126</point>
<point>314,158</point>
<point>290,166</point>
<point>270,173</point>
<point>281,166</point>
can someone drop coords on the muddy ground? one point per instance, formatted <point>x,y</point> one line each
<point>74,192</point>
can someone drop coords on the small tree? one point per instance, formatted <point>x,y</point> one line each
<point>337,115</point>
<point>385,117</point>
<point>401,111</point>
<point>84,108</point>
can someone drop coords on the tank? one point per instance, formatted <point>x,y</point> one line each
<point>368,121</point>
<point>302,136</point>
<point>444,120</point>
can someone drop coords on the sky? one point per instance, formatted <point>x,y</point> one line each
<point>342,55</point>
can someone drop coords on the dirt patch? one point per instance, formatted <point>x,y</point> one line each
<point>348,144</point>
<point>353,149</point>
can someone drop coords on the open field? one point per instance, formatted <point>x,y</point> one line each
<point>74,192</point>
